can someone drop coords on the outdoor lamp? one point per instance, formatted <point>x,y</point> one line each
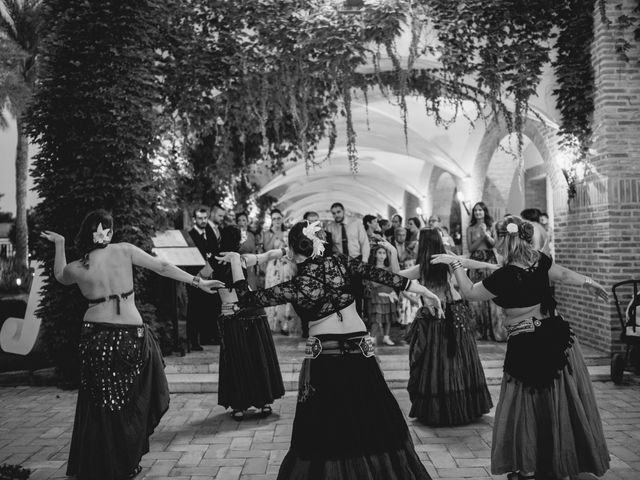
<point>465,204</point>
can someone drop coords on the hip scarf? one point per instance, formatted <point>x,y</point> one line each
<point>112,358</point>
<point>537,351</point>
<point>334,345</point>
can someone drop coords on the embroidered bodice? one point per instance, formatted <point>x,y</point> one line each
<point>321,287</point>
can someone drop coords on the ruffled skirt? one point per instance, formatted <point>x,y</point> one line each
<point>447,385</point>
<point>249,369</point>
<point>123,395</point>
<point>555,431</point>
<point>350,427</point>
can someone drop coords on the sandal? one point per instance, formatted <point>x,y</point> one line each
<point>135,472</point>
<point>266,411</point>
<point>512,476</point>
<point>237,415</point>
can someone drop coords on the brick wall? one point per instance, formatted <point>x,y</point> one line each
<point>597,232</point>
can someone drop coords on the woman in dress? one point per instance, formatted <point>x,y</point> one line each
<point>547,421</point>
<point>123,389</point>
<point>488,317</point>
<point>282,318</point>
<point>249,370</point>
<point>348,424</point>
<point>248,245</point>
<point>382,308</point>
<point>447,386</point>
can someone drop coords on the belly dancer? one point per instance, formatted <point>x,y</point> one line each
<point>123,389</point>
<point>348,424</point>
<point>547,422</point>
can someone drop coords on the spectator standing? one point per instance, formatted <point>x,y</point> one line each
<point>480,241</point>
<point>248,245</point>
<point>381,299</point>
<point>282,317</point>
<point>201,305</point>
<point>350,239</point>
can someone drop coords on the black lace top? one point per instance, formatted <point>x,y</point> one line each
<point>321,287</point>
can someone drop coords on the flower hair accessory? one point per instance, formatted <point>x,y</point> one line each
<point>101,236</point>
<point>310,231</point>
<point>512,228</point>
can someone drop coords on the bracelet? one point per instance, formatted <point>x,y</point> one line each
<point>587,282</point>
<point>195,283</point>
<point>456,265</point>
<point>409,283</point>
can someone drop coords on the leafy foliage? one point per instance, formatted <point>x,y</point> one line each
<point>94,121</point>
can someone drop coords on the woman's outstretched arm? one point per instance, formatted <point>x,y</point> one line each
<point>142,259</point>
<point>252,259</point>
<point>60,271</point>
<point>469,290</point>
<point>560,274</point>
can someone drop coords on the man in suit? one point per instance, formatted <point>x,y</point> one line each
<point>202,310</point>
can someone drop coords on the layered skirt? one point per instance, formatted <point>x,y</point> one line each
<point>447,385</point>
<point>488,317</point>
<point>350,425</point>
<point>249,370</point>
<point>123,395</point>
<point>554,430</point>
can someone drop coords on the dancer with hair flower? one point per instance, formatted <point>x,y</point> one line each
<point>123,389</point>
<point>547,421</point>
<point>341,387</point>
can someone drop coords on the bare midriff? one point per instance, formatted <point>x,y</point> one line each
<point>107,312</point>
<point>331,324</point>
<point>516,315</point>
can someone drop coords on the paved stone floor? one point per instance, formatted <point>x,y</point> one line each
<point>197,439</point>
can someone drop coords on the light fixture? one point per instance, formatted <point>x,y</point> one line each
<point>419,211</point>
<point>465,204</point>
<point>18,281</point>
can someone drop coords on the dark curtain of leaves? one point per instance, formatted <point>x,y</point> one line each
<point>94,123</point>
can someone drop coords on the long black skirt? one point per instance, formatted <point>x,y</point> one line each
<point>350,427</point>
<point>249,369</point>
<point>123,395</point>
<point>447,385</point>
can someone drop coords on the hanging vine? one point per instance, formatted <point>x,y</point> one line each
<point>282,72</point>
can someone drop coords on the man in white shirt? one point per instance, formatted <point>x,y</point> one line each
<point>350,239</point>
<point>354,240</point>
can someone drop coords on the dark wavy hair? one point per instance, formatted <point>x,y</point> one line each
<point>429,244</point>
<point>488,219</point>
<point>372,256</point>
<point>298,242</point>
<point>84,239</point>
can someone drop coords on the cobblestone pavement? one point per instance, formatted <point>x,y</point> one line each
<point>198,440</point>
